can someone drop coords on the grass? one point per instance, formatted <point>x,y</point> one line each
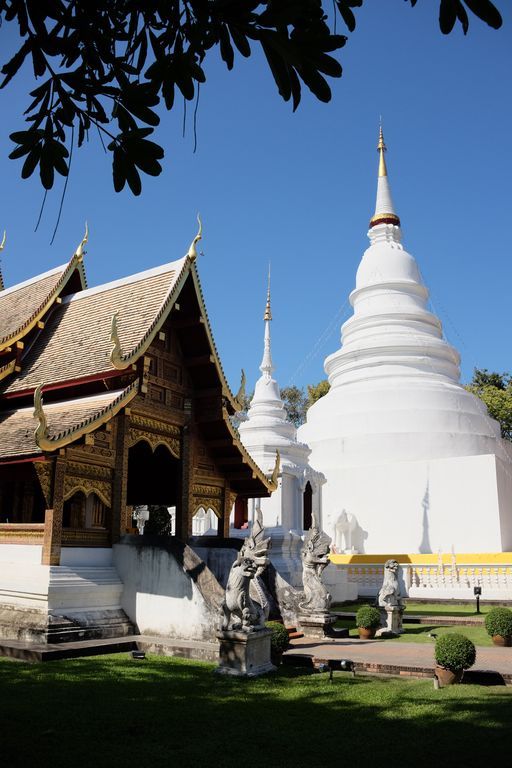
<point>113,711</point>
<point>429,609</point>
<point>419,633</point>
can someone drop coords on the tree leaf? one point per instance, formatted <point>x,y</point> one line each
<point>31,162</point>
<point>447,15</point>
<point>486,11</point>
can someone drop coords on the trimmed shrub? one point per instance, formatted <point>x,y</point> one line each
<point>455,652</point>
<point>368,617</point>
<point>279,641</point>
<point>499,622</point>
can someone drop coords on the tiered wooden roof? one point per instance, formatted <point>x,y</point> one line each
<point>84,342</point>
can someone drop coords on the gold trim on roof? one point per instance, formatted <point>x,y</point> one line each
<point>122,360</point>
<point>74,263</point>
<point>46,443</point>
<point>7,369</point>
<point>2,245</point>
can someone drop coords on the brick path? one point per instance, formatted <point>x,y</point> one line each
<point>414,659</point>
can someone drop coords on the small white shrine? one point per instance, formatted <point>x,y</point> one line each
<point>287,513</point>
<point>404,448</point>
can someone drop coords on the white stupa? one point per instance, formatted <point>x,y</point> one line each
<point>404,447</point>
<point>266,430</point>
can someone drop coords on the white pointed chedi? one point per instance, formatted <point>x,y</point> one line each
<point>404,447</point>
<point>265,430</point>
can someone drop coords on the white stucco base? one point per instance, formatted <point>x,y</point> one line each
<point>161,597</point>
<point>462,504</point>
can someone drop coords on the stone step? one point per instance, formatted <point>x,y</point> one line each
<point>163,646</point>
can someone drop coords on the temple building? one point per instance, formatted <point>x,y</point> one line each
<point>110,397</point>
<point>405,449</point>
<point>265,431</point>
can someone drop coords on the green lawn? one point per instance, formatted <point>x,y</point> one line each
<point>419,633</point>
<point>113,711</point>
<point>429,609</point>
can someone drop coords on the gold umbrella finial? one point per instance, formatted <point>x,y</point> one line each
<point>381,148</point>
<point>268,311</point>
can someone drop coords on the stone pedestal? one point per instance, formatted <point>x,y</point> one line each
<point>391,622</point>
<point>318,625</point>
<point>245,654</point>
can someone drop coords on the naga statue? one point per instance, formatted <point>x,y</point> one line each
<point>240,611</point>
<point>315,558</point>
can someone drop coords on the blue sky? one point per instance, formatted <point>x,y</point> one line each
<point>298,190</point>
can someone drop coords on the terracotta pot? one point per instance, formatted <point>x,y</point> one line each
<point>366,634</point>
<point>448,676</point>
<point>502,640</point>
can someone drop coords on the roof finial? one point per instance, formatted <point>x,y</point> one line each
<point>192,252</point>
<point>2,244</point>
<point>79,253</point>
<point>268,311</point>
<point>381,148</point>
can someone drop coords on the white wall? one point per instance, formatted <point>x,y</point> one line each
<point>78,556</point>
<point>21,553</point>
<point>160,596</point>
<point>424,506</point>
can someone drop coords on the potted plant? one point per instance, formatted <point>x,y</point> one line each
<point>498,624</point>
<point>454,653</point>
<point>279,641</point>
<point>367,621</point>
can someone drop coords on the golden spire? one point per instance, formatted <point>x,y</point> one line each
<point>2,244</point>
<point>381,148</point>
<point>268,311</point>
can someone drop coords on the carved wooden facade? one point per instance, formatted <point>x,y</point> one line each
<point>151,426</point>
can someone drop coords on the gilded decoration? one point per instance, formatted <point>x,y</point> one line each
<point>84,427</point>
<point>206,502</point>
<point>207,490</point>
<point>155,433</point>
<point>44,472</point>
<point>208,497</point>
<point>89,479</point>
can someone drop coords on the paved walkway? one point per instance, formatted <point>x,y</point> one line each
<point>413,659</point>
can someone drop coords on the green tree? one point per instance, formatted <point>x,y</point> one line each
<point>316,391</point>
<point>495,390</point>
<point>295,404</point>
<point>109,65</point>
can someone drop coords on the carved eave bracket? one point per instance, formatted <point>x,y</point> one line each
<point>274,479</point>
<point>51,443</point>
<point>240,395</point>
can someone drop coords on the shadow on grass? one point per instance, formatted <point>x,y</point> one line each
<point>161,712</point>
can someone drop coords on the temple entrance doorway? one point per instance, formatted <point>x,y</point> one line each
<point>307,506</point>
<point>154,480</point>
